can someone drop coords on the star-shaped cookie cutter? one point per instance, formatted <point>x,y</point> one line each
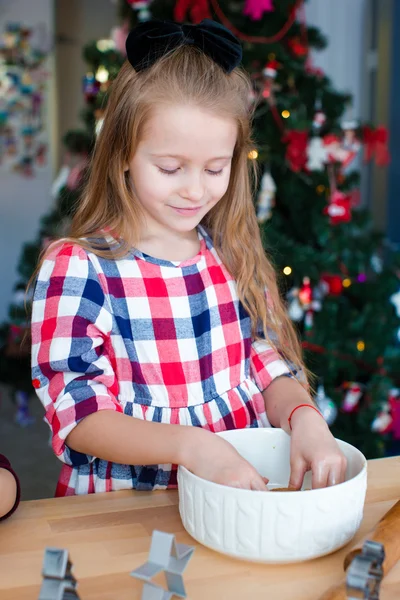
<point>168,557</point>
<point>365,572</point>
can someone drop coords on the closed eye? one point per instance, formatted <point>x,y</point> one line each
<point>173,171</point>
<point>214,172</point>
<point>167,172</point>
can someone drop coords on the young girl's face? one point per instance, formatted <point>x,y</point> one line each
<point>182,166</point>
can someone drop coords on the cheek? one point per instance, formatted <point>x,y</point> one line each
<point>220,186</point>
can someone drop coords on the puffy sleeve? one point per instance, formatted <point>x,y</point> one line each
<point>72,358</point>
<point>266,364</point>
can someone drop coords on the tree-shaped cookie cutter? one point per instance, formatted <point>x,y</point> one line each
<point>168,557</point>
<point>58,581</point>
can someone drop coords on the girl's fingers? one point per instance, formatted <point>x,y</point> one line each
<point>320,474</point>
<point>258,484</point>
<point>298,469</point>
<point>337,472</point>
<point>334,476</point>
<point>343,470</point>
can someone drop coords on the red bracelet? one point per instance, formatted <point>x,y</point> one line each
<point>300,406</point>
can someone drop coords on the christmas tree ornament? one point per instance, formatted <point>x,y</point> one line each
<point>295,309</point>
<point>119,35</point>
<point>395,300</point>
<point>309,302</point>
<point>296,149</point>
<point>326,406</point>
<point>339,208</point>
<point>383,421</point>
<point>332,284</point>
<point>394,403</point>
<point>269,85</point>
<point>266,198</point>
<point>91,87</point>
<point>376,263</point>
<point>319,120</point>
<point>255,9</point>
<point>336,152</point>
<point>305,292</point>
<point>196,9</point>
<point>298,47</point>
<point>352,397</point>
<point>270,70</point>
<point>317,155</point>
<point>376,145</point>
<point>350,140</point>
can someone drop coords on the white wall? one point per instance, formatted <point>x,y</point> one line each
<point>23,201</point>
<point>343,22</point>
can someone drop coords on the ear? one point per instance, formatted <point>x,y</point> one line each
<point>126,167</point>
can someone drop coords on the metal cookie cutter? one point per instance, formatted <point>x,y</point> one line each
<point>165,556</point>
<point>58,581</point>
<point>365,573</point>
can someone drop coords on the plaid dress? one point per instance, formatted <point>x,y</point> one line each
<point>153,339</point>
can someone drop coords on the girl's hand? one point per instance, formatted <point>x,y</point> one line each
<point>211,457</point>
<point>314,447</point>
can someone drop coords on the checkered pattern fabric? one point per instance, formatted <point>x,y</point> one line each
<point>153,339</point>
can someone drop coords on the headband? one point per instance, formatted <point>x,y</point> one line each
<point>152,39</point>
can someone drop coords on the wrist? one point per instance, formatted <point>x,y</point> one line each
<point>189,444</point>
<point>304,414</point>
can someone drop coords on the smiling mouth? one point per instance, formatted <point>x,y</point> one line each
<point>186,211</point>
<point>186,208</point>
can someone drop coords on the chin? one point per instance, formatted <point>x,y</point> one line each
<point>186,224</point>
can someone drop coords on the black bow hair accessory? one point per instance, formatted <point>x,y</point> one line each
<point>152,39</point>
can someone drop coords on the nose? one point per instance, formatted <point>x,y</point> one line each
<point>193,189</point>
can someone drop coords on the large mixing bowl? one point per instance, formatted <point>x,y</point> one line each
<point>273,527</point>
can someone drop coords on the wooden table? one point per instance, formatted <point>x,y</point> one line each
<point>108,535</point>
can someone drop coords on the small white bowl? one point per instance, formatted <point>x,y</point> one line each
<point>273,527</point>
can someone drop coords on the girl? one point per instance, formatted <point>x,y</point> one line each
<point>151,328</point>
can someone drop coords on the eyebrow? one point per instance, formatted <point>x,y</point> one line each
<point>179,156</point>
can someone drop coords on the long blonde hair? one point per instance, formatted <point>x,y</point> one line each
<point>185,76</point>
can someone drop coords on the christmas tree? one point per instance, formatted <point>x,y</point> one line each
<point>339,277</point>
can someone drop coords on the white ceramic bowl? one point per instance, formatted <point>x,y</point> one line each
<point>275,527</point>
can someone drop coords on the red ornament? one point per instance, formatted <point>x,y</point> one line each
<point>394,403</point>
<point>137,4</point>
<point>305,292</point>
<point>388,419</point>
<point>333,284</point>
<point>271,69</point>
<point>339,208</point>
<point>197,9</point>
<point>298,47</point>
<point>351,401</point>
<point>376,144</point>
<point>296,150</point>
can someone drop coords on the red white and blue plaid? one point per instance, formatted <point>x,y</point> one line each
<point>157,340</point>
